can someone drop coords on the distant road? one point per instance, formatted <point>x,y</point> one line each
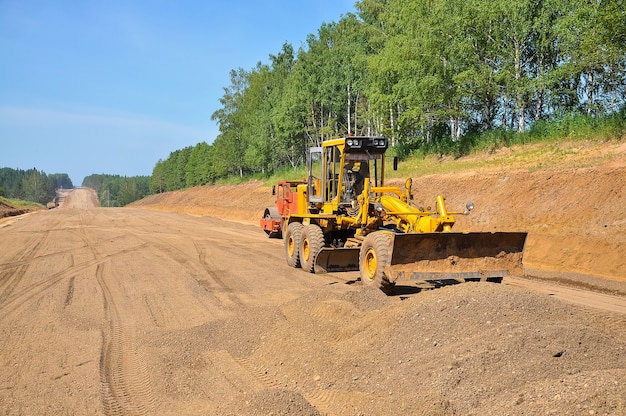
<point>78,198</point>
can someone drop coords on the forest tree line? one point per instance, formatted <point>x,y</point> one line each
<point>116,190</point>
<point>36,186</point>
<point>422,72</point>
<point>32,184</point>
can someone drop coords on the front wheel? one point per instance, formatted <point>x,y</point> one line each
<point>312,243</point>
<point>374,256</point>
<point>293,235</point>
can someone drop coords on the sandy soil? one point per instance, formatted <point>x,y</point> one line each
<point>130,311</point>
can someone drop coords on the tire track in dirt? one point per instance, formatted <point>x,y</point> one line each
<point>21,261</point>
<point>125,385</point>
<point>196,266</point>
<point>10,279</point>
<point>327,401</point>
<point>10,298</point>
<point>262,374</point>
<point>159,306</point>
<point>152,311</point>
<point>612,324</point>
<point>216,284</point>
<point>237,375</point>
<point>11,276</point>
<point>13,301</point>
<point>247,375</point>
<point>70,293</point>
<point>331,311</point>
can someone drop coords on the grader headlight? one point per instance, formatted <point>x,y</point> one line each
<point>353,142</point>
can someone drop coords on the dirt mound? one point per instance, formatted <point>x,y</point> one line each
<point>470,349</point>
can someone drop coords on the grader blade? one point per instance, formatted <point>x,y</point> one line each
<point>458,256</point>
<point>337,260</point>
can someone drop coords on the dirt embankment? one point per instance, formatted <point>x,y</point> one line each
<point>575,216</point>
<point>7,210</point>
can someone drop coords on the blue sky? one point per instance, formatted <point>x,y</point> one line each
<point>113,86</point>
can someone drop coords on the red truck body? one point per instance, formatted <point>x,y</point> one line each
<point>286,202</point>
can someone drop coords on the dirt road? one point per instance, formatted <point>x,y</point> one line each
<point>135,312</point>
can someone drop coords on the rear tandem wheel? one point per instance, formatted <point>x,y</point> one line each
<point>374,256</point>
<point>292,243</point>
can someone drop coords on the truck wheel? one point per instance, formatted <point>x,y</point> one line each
<point>272,216</point>
<point>375,254</point>
<point>311,244</point>
<point>292,244</point>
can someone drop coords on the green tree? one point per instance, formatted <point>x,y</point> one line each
<point>288,112</point>
<point>593,39</point>
<point>175,169</point>
<point>230,145</point>
<point>128,191</point>
<point>429,74</point>
<point>36,187</point>
<point>199,166</point>
<point>158,182</point>
<point>256,131</point>
<point>60,181</point>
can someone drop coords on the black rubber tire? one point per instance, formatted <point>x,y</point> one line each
<point>310,245</point>
<point>374,256</point>
<point>293,237</point>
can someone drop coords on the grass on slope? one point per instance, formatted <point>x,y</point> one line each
<point>531,157</point>
<point>18,203</point>
<point>562,154</point>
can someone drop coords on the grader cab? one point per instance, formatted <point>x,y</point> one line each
<point>343,218</point>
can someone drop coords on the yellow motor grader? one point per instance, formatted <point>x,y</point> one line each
<point>343,218</point>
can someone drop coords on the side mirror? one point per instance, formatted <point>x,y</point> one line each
<point>395,163</point>
<point>273,189</point>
